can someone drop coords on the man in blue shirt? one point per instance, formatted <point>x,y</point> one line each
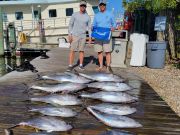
<point>104,19</point>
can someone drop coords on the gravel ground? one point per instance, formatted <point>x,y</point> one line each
<point>166,82</point>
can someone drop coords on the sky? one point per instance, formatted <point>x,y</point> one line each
<point>116,4</point>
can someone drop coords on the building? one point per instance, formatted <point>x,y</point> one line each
<point>55,15</point>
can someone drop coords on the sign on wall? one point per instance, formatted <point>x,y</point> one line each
<point>160,23</point>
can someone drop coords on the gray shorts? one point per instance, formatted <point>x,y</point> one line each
<point>103,46</point>
<point>78,44</point>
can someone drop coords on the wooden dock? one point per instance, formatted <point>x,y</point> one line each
<point>153,113</point>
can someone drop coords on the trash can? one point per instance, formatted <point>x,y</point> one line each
<point>156,54</point>
<point>119,44</point>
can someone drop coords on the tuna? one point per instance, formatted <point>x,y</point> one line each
<point>53,111</point>
<point>48,124</point>
<point>64,87</point>
<point>67,77</point>
<point>110,86</point>
<point>103,77</point>
<point>115,121</point>
<point>113,97</point>
<point>39,134</point>
<point>58,99</point>
<point>116,132</point>
<point>114,109</point>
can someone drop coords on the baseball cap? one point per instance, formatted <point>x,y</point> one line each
<point>83,3</point>
<point>102,2</point>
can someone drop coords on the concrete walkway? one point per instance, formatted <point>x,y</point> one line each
<point>57,62</point>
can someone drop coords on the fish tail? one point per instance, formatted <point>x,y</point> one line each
<point>84,75</point>
<point>91,111</point>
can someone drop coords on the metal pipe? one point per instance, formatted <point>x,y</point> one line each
<point>40,24</point>
<point>32,11</point>
<point>1,33</point>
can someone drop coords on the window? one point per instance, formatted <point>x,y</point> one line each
<point>95,9</point>
<point>52,13</point>
<point>35,14</point>
<point>19,15</point>
<point>5,17</point>
<point>69,11</point>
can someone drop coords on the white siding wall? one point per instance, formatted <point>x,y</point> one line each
<point>53,26</point>
<point>26,9</point>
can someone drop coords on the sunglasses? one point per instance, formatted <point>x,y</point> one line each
<point>102,4</point>
<point>83,6</point>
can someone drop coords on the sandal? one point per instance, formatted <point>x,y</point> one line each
<point>99,69</point>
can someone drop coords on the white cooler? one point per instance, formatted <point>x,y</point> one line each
<point>138,57</point>
<point>63,43</point>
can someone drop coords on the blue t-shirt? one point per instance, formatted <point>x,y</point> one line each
<point>104,19</point>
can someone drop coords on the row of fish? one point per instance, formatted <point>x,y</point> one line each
<point>113,97</point>
<point>108,132</point>
<point>108,113</point>
<point>74,87</point>
<point>83,78</point>
<point>107,108</point>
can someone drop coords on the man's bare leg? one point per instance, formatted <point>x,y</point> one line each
<point>100,59</point>
<point>71,60</point>
<point>108,62</point>
<point>81,57</point>
<point>108,59</point>
<point>81,60</point>
<point>71,57</point>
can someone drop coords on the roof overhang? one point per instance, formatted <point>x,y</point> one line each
<point>31,2</point>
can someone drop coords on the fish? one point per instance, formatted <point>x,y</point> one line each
<point>53,111</point>
<point>116,121</point>
<point>113,97</point>
<point>39,134</point>
<point>116,132</point>
<point>114,109</point>
<point>110,86</point>
<point>48,124</point>
<point>63,87</point>
<point>58,99</point>
<point>102,77</point>
<point>67,77</point>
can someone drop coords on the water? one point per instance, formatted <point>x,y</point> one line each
<point>8,64</point>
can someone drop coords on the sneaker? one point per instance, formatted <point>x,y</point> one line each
<point>81,67</point>
<point>70,68</point>
<point>109,70</point>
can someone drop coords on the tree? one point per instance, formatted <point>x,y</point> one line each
<point>163,7</point>
<point>153,5</point>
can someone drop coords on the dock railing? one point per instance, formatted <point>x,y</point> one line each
<point>48,23</point>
